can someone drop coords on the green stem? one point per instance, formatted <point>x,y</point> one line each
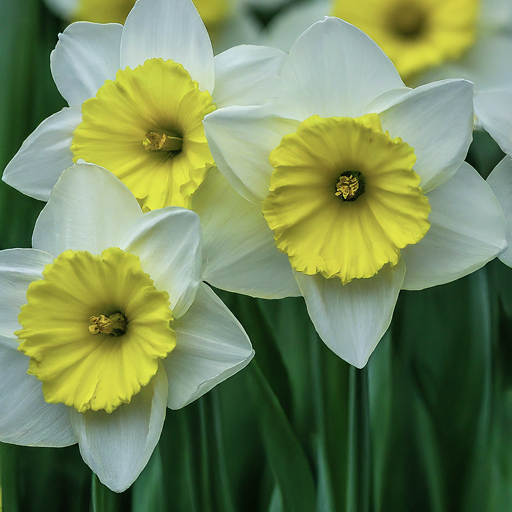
<point>103,499</point>
<point>225,499</point>
<point>8,473</point>
<point>205,458</point>
<point>359,495</point>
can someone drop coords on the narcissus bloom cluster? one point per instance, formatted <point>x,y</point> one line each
<point>314,173</point>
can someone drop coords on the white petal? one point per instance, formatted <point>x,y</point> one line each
<point>168,243</point>
<point>63,8</point>
<point>117,446</point>
<point>89,210</point>
<point>334,69</point>
<point>387,99</point>
<point>437,121</point>
<point>10,343</point>
<point>169,30</point>
<point>25,418</point>
<point>86,55</point>
<point>211,346</point>
<point>467,230</point>
<point>239,253</point>
<point>241,139</point>
<point>500,181</point>
<point>289,23</point>
<point>36,167</point>
<point>352,319</point>
<point>18,268</point>
<point>247,75</point>
<point>494,112</point>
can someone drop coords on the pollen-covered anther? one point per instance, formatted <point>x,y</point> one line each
<point>114,324</point>
<point>154,141</point>
<point>350,186</point>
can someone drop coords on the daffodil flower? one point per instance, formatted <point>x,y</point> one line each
<point>105,323</point>
<point>361,181</point>
<point>430,40</point>
<point>137,97</point>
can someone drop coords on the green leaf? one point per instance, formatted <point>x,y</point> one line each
<point>437,397</point>
<point>360,482</point>
<point>220,473</point>
<point>260,332</point>
<point>284,452</point>
<point>103,499</point>
<point>148,490</point>
<point>8,473</point>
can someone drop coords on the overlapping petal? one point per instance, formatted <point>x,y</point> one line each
<point>247,75</point>
<point>437,121</point>
<point>493,110</point>
<point>36,167</point>
<point>241,139</point>
<point>351,319</point>
<point>105,211</point>
<point>467,230</point>
<point>117,446</point>
<point>211,346</point>
<point>168,243</point>
<point>25,418</point>
<point>169,30</point>
<point>334,69</point>
<point>239,253</point>
<point>18,268</point>
<point>86,55</point>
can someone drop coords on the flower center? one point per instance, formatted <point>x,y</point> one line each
<point>115,324</point>
<point>154,141</point>
<point>350,186</point>
<point>94,328</point>
<point>146,127</point>
<point>372,214</point>
<point>415,34</point>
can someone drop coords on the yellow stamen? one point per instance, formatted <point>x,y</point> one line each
<point>115,324</point>
<point>154,141</point>
<point>347,187</point>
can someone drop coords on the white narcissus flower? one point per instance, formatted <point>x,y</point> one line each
<point>361,181</point>
<point>428,41</point>
<point>137,97</point>
<point>105,323</point>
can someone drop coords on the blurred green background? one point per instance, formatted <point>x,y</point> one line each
<point>426,426</point>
